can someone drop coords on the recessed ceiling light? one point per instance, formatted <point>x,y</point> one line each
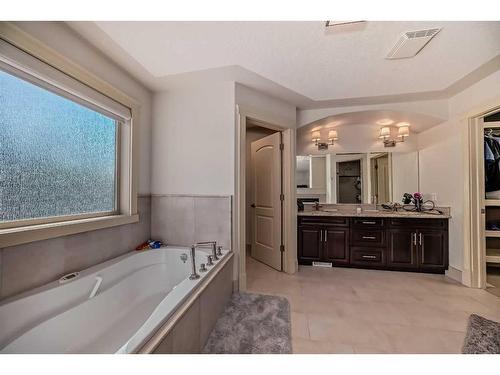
<point>385,122</point>
<point>340,23</point>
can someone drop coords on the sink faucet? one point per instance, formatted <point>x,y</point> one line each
<point>212,245</point>
<point>193,275</point>
<point>317,206</point>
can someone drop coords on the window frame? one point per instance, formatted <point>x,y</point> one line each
<point>17,232</point>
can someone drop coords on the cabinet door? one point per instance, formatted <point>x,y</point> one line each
<point>336,245</point>
<point>309,244</point>
<point>432,254</point>
<point>402,249</point>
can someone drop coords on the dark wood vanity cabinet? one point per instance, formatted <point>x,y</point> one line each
<point>310,243</point>
<point>320,239</point>
<point>401,251</point>
<point>404,244</point>
<point>336,245</point>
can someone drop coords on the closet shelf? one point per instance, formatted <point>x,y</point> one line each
<point>492,233</point>
<point>492,258</point>
<point>492,202</point>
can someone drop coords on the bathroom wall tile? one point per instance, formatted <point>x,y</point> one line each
<point>213,219</point>
<point>29,266</point>
<point>213,301</point>
<point>186,333</point>
<point>173,219</point>
<point>87,249</point>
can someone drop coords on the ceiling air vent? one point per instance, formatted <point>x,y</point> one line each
<point>411,43</point>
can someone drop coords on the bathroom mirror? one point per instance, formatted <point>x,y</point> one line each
<point>353,178</point>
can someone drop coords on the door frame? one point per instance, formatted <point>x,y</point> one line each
<point>289,217</point>
<point>474,264</point>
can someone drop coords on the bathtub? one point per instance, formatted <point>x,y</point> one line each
<point>138,293</point>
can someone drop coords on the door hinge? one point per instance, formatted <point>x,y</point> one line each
<point>282,197</point>
<point>282,146</point>
<point>282,248</point>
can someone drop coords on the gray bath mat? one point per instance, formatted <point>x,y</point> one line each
<point>252,324</point>
<point>482,337</point>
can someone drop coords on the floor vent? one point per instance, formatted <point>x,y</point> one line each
<point>322,264</point>
<point>411,43</point>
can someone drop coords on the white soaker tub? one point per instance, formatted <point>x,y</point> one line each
<point>138,293</point>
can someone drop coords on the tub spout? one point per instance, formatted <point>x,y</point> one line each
<point>193,275</point>
<point>212,245</point>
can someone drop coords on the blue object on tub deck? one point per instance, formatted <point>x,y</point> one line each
<point>155,244</point>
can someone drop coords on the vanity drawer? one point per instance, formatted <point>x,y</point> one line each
<point>366,256</point>
<point>368,237</point>
<point>324,220</point>
<point>419,223</point>
<point>368,222</point>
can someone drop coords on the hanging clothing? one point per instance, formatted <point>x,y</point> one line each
<point>491,163</point>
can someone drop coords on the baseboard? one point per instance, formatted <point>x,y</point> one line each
<point>454,274</point>
<point>236,286</point>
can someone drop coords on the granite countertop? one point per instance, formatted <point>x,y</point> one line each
<point>378,213</point>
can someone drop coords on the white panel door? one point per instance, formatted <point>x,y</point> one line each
<point>266,168</point>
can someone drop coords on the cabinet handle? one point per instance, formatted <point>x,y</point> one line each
<point>368,222</point>
<point>326,237</point>
<point>420,239</point>
<point>369,256</point>
<point>368,237</point>
<point>414,238</point>
<point>321,236</point>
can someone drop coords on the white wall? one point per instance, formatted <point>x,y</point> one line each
<point>194,136</point>
<point>404,174</point>
<point>282,113</point>
<point>62,39</point>
<point>193,140</point>
<point>442,158</point>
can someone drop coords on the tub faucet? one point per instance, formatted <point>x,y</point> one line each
<point>212,245</point>
<point>193,275</point>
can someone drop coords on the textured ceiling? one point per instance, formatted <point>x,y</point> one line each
<point>299,58</point>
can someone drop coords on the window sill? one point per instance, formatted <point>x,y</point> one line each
<point>39,232</point>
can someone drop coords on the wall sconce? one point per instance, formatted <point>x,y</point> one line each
<point>332,137</point>
<point>386,132</point>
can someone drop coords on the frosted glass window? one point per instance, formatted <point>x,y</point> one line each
<point>57,157</point>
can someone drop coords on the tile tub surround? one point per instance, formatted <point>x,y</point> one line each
<point>186,219</point>
<point>369,211</point>
<point>28,266</point>
<point>344,310</point>
<point>190,332</point>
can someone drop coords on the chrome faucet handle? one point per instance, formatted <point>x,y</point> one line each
<point>193,275</point>
<point>203,268</point>
<point>219,251</point>
<point>209,261</point>
<point>214,251</point>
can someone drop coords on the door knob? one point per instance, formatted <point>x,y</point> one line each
<point>252,205</point>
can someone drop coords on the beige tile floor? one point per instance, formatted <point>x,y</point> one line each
<point>343,310</point>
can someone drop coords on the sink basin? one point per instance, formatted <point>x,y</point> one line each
<point>329,210</point>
